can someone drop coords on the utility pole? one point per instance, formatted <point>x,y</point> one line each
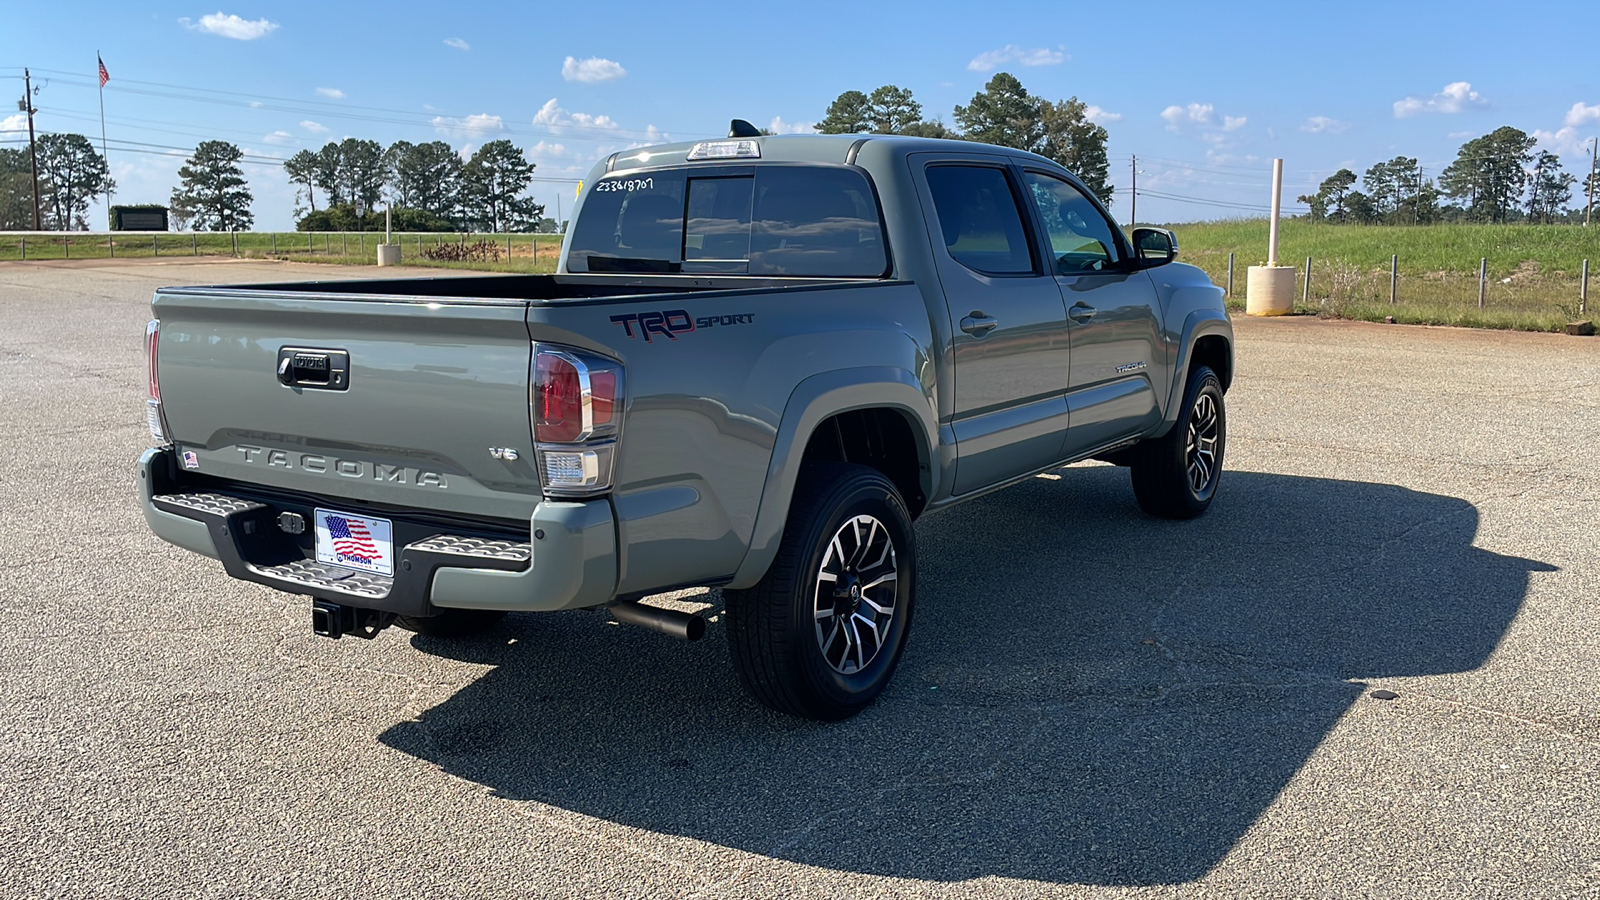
<point>1594,157</point>
<point>33,154</point>
<point>1133,208</point>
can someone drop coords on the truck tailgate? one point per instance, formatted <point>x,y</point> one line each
<point>432,386</point>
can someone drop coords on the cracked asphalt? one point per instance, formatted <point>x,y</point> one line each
<point>1093,703</point>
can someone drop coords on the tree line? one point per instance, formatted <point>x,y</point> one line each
<point>431,187</point>
<point>71,174</point>
<point>1003,113</point>
<point>1496,178</point>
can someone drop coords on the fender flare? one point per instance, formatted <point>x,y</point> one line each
<point>814,400</point>
<point>1199,323</point>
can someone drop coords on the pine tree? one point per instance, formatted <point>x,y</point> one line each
<point>213,195</point>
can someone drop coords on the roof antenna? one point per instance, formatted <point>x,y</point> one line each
<point>739,128</point>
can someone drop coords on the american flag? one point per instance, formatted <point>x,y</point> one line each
<point>104,75</point>
<point>351,539</point>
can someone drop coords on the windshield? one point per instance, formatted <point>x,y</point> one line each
<point>805,221</point>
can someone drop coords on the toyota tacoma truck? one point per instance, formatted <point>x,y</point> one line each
<point>759,361</point>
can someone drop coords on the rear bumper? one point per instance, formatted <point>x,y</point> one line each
<point>567,560</point>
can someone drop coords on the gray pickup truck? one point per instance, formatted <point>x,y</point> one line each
<point>760,360</point>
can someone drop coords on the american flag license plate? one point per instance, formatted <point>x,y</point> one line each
<point>363,543</point>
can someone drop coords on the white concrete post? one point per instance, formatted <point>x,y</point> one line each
<point>1269,289</point>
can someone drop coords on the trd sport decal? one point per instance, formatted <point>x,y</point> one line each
<point>673,322</point>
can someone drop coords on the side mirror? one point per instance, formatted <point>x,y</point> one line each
<point>1155,246</point>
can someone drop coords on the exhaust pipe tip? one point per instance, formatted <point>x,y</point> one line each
<point>674,623</point>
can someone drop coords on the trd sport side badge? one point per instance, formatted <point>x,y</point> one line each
<point>506,453</point>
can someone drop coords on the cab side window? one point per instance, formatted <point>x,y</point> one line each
<point>979,219</point>
<point>1080,237</point>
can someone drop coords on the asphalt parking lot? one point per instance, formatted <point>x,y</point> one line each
<point>1093,703</point>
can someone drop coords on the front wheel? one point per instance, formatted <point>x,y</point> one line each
<point>1176,476</point>
<point>820,636</point>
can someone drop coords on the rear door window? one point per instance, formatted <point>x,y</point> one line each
<point>794,221</point>
<point>979,219</point>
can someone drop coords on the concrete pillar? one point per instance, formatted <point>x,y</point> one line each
<point>388,254</point>
<point>1269,291</point>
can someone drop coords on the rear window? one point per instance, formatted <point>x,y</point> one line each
<point>805,221</point>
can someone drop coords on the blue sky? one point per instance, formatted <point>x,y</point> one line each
<point>1205,95</point>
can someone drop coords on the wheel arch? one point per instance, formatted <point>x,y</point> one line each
<point>848,403</point>
<point>1207,339</point>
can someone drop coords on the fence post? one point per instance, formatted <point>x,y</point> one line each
<point>1394,276</point>
<point>274,243</point>
<point>194,242</point>
<point>363,243</point>
<point>111,244</point>
<point>1305,289</point>
<point>24,248</point>
<point>235,242</point>
<point>1583,290</point>
<point>155,245</point>
<point>345,236</point>
<point>1230,275</point>
<point>1483,279</point>
<point>66,245</point>
<point>508,248</point>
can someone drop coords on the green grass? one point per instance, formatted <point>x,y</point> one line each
<point>1533,271</point>
<point>337,248</point>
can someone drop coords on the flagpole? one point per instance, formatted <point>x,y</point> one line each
<point>100,66</point>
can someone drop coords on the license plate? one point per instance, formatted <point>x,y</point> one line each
<point>363,543</point>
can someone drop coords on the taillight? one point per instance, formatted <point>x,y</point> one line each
<point>575,406</point>
<point>152,403</point>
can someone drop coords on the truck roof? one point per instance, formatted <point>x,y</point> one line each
<point>824,148</point>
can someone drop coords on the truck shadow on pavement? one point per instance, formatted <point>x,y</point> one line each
<point>1089,696</point>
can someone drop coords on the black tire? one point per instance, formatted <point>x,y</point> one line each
<point>1176,476</point>
<point>453,623</point>
<point>787,655</point>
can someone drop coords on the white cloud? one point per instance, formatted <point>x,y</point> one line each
<point>335,93</point>
<point>313,127</point>
<point>547,150</point>
<point>1011,53</point>
<point>592,69</point>
<point>552,115</point>
<point>1455,97</point>
<point>779,126</point>
<point>473,126</point>
<point>18,122</point>
<point>1233,123</point>
<point>230,26</point>
<point>1100,116</point>
<point>1324,125</point>
<point>1579,114</point>
<point>1193,114</point>
<point>457,43</point>
<point>255,104</point>
<point>279,137</point>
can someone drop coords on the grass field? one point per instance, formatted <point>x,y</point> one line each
<point>1533,271</point>
<point>528,252</point>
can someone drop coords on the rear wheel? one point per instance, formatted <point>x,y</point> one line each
<point>821,634</point>
<point>1176,476</point>
<point>452,623</point>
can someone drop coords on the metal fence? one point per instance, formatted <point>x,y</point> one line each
<point>1337,285</point>
<point>533,250</point>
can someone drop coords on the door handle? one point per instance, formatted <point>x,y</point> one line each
<point>1081,312</point>
<point>978,324</point>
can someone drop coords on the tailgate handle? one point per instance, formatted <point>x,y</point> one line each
<point>305,367</point>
